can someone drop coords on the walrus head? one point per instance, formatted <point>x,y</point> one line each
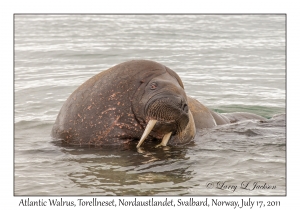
<point>166,111</point>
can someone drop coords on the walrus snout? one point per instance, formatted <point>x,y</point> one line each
<point>167,115</point>
<point>166,108</point>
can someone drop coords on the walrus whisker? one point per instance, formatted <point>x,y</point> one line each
<point>179,130</point>
<point>148,129</point>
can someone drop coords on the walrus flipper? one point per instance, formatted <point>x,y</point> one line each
<point>241,116</point>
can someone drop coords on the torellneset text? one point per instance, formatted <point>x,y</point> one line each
<point>66,202</point>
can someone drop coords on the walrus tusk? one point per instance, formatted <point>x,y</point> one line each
<point>148,129</point>
<point>165,140</point>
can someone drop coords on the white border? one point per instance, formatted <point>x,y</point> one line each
<point>8,8</point>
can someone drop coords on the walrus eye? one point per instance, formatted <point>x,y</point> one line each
<point>153,86</point>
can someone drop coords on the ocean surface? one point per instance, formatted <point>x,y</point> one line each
<point>228,62</point>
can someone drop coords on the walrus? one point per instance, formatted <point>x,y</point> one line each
<point>134,101</point>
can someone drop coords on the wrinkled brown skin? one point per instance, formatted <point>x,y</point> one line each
<point>104,110</point>
<point>108,109</point>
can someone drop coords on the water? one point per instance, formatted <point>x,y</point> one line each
<point>228,62</point>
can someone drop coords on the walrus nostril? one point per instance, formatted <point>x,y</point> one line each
<point>185,108</point>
